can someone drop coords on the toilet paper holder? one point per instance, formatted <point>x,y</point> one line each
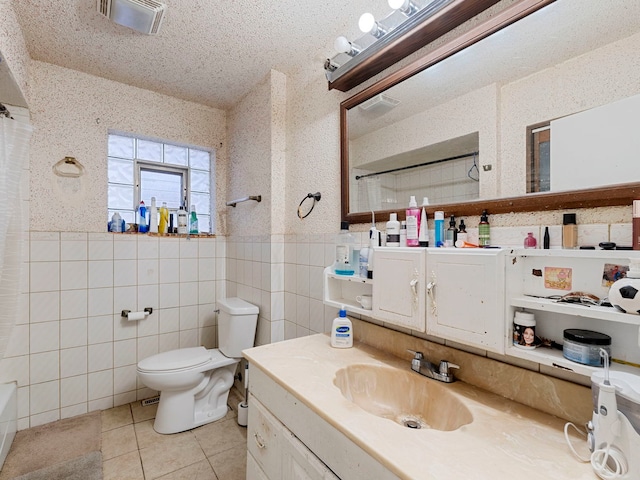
<point>146,311</point>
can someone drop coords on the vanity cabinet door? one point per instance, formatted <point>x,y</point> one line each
<point>299,463</point>
<point>254,472</point>
<point>264,439</point>
<point>465,296</point>
<point>399,287</point>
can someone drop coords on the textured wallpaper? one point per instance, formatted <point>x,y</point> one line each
<point>12,46</point>
<point>72,113</point>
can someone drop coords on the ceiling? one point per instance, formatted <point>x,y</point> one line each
<point>212,53</point>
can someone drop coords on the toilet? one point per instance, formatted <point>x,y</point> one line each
<point>194,383</point>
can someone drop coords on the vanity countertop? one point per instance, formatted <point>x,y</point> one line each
<point>505,440</point>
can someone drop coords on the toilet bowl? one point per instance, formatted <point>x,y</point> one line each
<point>194,382</point>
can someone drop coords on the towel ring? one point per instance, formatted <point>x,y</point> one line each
<point>66,167</point>
<point>316,198</point>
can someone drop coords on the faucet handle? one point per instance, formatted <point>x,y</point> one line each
<point>416,355</point>
<point>445,366</point>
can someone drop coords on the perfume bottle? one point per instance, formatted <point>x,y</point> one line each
<point>530,241</point>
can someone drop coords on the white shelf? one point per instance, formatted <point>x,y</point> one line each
<point>554,358</point>
<point>599,313</point>
<point>574,253</point>
<point>350,278</point>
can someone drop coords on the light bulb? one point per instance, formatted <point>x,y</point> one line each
<point>342,45</point>
<point>398,4</point>
<point>367,22</point>
<point>405,6</point>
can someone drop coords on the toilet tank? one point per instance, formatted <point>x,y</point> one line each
<point>236,326</point>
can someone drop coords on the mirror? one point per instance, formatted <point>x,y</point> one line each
<point>465,117</point>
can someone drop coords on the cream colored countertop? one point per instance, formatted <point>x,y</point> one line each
<point>505,440</point>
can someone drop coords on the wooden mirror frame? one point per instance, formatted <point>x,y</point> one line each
<point>612,195</point>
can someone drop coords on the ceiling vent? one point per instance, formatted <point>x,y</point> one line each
<point>141,15</point>
<point>379,104</point>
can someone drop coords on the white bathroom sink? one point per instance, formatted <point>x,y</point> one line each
<point>402,396</point>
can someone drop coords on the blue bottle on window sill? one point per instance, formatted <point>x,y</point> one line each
<point>143,226</point>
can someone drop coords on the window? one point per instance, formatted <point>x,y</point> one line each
<point>139,169</point>
<point>539,158</point>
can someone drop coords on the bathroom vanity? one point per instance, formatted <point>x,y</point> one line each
<point>323,413</point>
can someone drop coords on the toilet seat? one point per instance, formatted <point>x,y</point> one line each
<point>184,359</point>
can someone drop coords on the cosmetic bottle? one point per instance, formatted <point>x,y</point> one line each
<point>193,221</point>
<point>439,228</point>
<point>413,223</point>
<point>545,239</point>
<point>635,226</point>
<point>182,221</point>
<point>153,216</point>
<point>450,236</point>
<point>164,219</point>
<point>393,231</point>
<point>342,331</point>
<point>403,233</point>
<point>462,234</point>
<point>530,241</point>
<point>569,231</point>
<point>142,218</point>
<point>344,251</point>
<point>484,232</point>
<point>423,234</point>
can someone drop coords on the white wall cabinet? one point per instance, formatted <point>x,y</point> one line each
<point>399,289</point>
<point>465,296</point>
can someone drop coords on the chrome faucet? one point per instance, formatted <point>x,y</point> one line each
<point>428,369</point>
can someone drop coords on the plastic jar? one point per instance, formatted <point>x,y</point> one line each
<point>524,330</point>
<point>583,346</point>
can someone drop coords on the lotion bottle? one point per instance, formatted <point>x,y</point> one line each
<point>342,331</point>
<point>182,221</point>
<point>413,223</point>
<point>393,231</point>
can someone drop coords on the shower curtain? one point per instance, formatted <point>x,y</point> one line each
<point>14,153</point>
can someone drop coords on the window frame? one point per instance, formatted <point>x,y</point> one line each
<point>139,165</point>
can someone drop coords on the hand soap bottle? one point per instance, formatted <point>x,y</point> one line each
<point>342,331</point>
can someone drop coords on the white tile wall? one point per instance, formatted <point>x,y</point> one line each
<point>71,351</point>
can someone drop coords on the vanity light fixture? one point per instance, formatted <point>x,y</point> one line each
<point>144,16</point>
<point>405,6</point>
<point>379,35</point>
<point>368,24</point>
<point>342,45</point>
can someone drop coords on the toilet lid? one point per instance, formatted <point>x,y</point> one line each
<point>176,359</point>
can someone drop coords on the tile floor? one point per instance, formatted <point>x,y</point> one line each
<point>132,450</point>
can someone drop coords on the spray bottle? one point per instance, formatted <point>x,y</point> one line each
<point>413,223</point>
